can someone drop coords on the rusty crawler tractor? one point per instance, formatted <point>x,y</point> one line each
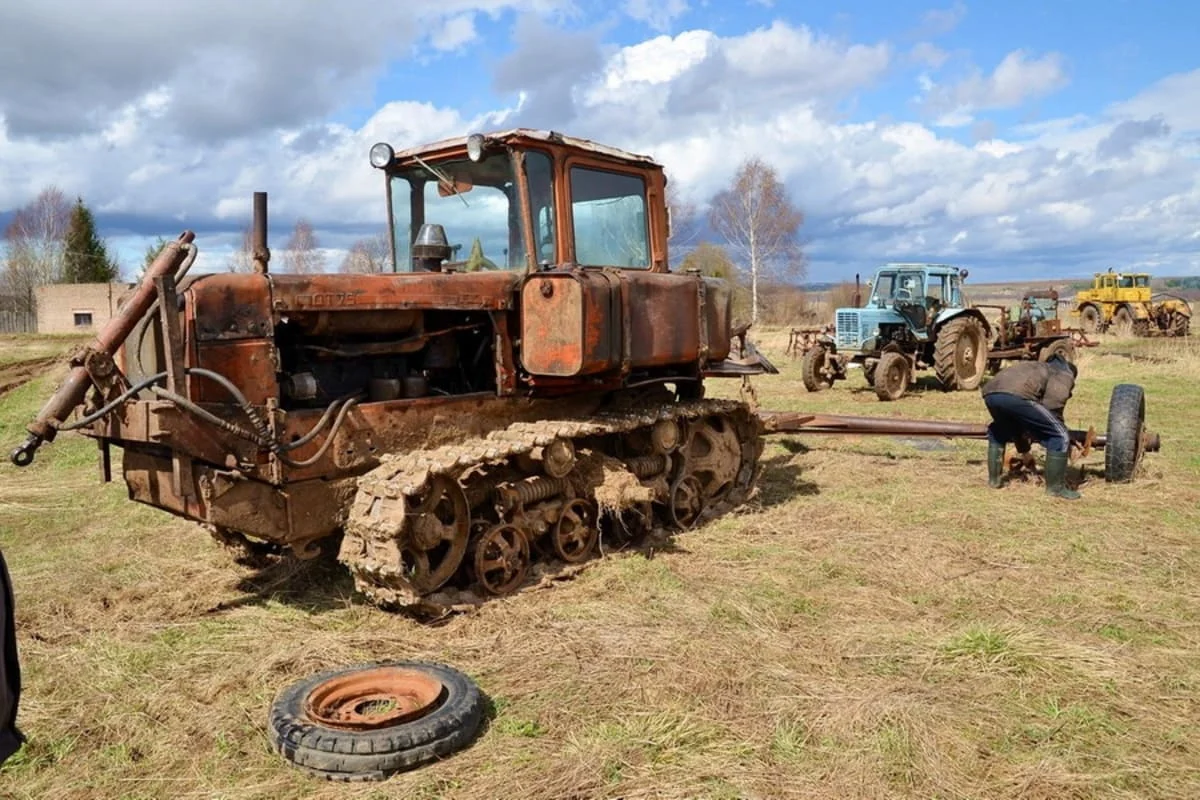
<point>458,420</point>
<point>1125,300</point>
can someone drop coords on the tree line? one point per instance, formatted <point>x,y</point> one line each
<point>51,240</point>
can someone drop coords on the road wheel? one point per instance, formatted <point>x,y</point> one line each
<point>812,369</point>
<point>892,376</point>
<point>1092,320</point>
<point>367,722</point>
<point>960,354</point>
<point>1126,424</point>
<point>1064,347</point>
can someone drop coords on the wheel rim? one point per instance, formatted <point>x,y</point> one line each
<point>687,501</point>
<point>966,355</point>
<point>894,377</point>
<point>372,698</point>
<point>575,533</point>
<point>502,559</point>
<point>437,540</point>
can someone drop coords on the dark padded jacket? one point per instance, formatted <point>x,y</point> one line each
<point>10,670</point>
<point>1043,383</point>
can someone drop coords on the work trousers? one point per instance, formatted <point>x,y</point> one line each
<point>1013,415</point>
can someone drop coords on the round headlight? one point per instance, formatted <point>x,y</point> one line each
<point>475,146</point>
<point>382,155</point>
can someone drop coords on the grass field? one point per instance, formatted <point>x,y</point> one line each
<point>877,623</point>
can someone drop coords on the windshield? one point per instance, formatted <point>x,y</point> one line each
<point>907,287</point>
<point>476,203</point>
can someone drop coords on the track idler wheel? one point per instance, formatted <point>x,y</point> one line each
<point>437,537</point>
<point>575,534</point>
<point>501,559</point>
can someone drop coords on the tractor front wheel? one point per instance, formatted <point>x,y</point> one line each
<point>1092,319</point>
<point>814,369</point>
<point>892,376</point>
<point>960,354</point>
<point>1064,347</point>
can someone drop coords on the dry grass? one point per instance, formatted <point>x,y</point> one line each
<point>876,624</point>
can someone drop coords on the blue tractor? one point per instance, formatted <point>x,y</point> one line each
<point>915,318</point>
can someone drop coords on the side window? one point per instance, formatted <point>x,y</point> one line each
<point>609,214</point>
<point>539,177</point>
<point>937,288</point>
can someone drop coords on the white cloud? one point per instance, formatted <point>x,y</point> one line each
<point>1016,79</point>
<point>658,14</point>
<point>455,32</point>
<point>1119,185</point>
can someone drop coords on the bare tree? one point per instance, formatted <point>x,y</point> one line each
<point>760,224</point>
<point>242,259</point>
<point>367,255</point>
<point>301,254</point>
<point>35,240</point>
<point>685,227</point>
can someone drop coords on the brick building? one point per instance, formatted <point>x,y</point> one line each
<point>78,307</point>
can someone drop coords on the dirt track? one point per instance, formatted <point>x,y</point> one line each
<point>19,373</point>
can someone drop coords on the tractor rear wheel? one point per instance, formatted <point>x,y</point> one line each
<point>1064,347</point>
<point>811,369</point>
<point>891,376</point>
<point>1092,319</point>
<point>1126,425</point>
<point>960,354</point>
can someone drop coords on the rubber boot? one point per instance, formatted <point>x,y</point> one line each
<point>995,464</point>
<point>1056,477</point>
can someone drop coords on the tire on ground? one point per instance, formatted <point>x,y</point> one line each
<point>810,369</point>
<point>891,376</point>
<point>374,754</point>
<point>960,354</point>
<point>1126,421</point>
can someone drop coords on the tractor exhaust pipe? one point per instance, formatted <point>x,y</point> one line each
<point>74,389</point>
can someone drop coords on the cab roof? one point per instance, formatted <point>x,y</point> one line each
<point>517,136</point>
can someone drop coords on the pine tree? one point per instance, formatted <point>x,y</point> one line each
<point>86,259</point>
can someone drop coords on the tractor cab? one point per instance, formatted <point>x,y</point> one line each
<point>523,201</point>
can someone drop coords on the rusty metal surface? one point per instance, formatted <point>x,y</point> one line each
<point>72,391</point>
<point>665,318</point>
<point>571,323</point>
<point>373,698</point>
<point>467,291</point>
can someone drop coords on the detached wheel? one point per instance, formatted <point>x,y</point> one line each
<point>960,354</point>
<point>1064,347</point>
<point>891,376</point>
<point>370,721</point>
<point>1126,426</point>
<point>812,367</point>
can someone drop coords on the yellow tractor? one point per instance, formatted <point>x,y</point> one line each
<point>1124,300</point>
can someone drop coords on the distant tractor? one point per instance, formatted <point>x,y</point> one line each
<point>1033,331</point>
<point>915,318</point>
<point>1124,300</point>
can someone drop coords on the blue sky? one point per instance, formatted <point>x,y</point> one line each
<point>1019,139</point>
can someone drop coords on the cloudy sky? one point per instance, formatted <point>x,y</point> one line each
<point>1016,138</point>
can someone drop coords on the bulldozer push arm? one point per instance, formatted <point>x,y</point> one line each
<point>93,364</point>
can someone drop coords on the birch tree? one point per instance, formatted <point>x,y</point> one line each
<point>242,258</point>
<point>760,225</point>
<point>366,256</point>
<point>301,254</point>
<point>34,240</point>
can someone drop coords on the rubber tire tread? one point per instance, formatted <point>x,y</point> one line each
<point>1126,417</point>
<point>373,755</point>
<point>944,362</point>
<point>879,378</point>
<point>813,381</point>
<point>1097,319</point>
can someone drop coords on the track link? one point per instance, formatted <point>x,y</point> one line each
<point>409,546</point>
